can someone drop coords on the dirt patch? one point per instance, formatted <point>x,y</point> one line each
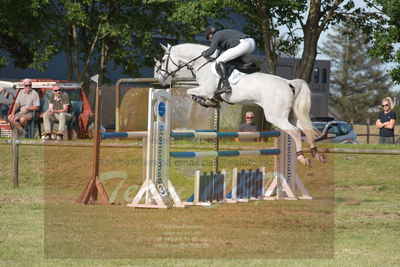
<point>5,200</point>
<point>382,215</point>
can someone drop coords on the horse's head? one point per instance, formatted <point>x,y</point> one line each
<point>176,58</point>
<point>167,67</point>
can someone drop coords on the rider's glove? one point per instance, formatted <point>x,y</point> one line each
<point>205,54</point>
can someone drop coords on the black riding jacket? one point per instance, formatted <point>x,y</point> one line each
<point>223,40</point>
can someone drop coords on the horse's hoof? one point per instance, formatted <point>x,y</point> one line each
<point>321,157</point>
<point>303,160</point>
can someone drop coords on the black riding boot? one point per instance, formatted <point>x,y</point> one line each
<point>226,87</point>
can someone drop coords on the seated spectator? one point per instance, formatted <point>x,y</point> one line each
<point>58,110</point>
<point>3,107</point>
<point>27,101</point>
<point>249,126</point>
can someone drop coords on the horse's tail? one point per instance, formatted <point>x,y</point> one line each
<point>302,107</point>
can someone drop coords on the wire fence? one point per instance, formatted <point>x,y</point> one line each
<point>367,133</point>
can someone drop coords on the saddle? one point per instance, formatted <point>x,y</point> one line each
<point>242,66</point>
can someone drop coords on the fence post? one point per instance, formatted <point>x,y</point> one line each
<point>15,156</point>
<point>368,122</point>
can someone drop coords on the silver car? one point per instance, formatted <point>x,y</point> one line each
<point>335,132</point>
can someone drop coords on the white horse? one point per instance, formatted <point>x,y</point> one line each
<point>277,96</point>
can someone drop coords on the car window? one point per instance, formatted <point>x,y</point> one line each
<point>333,129</point>
<point>74,95</point>
<point>319,125</point>
<point>344,128</point>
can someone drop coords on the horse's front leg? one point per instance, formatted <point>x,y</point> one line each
<point>201,92</point>
<point>203,98</point>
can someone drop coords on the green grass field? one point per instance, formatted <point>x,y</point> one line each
<point>353,220</point>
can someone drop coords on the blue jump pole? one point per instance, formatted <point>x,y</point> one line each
<point>201,134</point>
<point>227,153</point>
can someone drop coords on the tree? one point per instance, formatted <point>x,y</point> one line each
<point>91,33</point>
<point>97,32</point>
<point>386,34</point>
<point>358,82</point>
<point>23,33</point>
<point>266,18</point>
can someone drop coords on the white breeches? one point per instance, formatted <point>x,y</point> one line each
<point>244,48</point>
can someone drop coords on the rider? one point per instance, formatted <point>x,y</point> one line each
<point>234,44</point>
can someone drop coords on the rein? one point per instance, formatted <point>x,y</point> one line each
<point>208,61</point>
<point>170,73</point>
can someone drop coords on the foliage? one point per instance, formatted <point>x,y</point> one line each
<point>278,26</point>
<point>91,33</point>
<point>358,82</point>
<point>23,33</point>
<point>386,35</point>
<point>94,33</point>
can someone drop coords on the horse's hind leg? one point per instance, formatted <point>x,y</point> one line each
<point>285,126</point>
<point>310,136</point>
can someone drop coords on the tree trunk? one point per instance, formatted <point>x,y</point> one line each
<point>305,67</point>
<point>103,61</point>
<point>269,53</point>
<point>267,38</point>
<point>68,54</point>
<point>311,31</point>
<point>76,53</point>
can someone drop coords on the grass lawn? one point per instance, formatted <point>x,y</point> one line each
<point>353,220</point>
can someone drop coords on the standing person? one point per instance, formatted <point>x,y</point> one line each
<point>58,111</point>
<point>233,44</point>
<point>248,126</point>
<point>27,101</point>
<point>386,121</point>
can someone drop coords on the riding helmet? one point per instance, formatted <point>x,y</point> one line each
<point>210,30</point>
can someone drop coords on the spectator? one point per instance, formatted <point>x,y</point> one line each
<point>249,126</point>
<point>386,121</point>
<point>3,111</point>
<point>27,101</point>
<point>59,105</point>
<point>3,108</point>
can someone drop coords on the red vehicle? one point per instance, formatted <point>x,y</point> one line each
<point>81,109</point>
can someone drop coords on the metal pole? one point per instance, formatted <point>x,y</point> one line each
<point>14,162</point>
<point>368,122</point>
<point>216,140</point>
<point>135,80</point>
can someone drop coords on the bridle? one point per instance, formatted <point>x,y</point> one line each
<point>165,74</point>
